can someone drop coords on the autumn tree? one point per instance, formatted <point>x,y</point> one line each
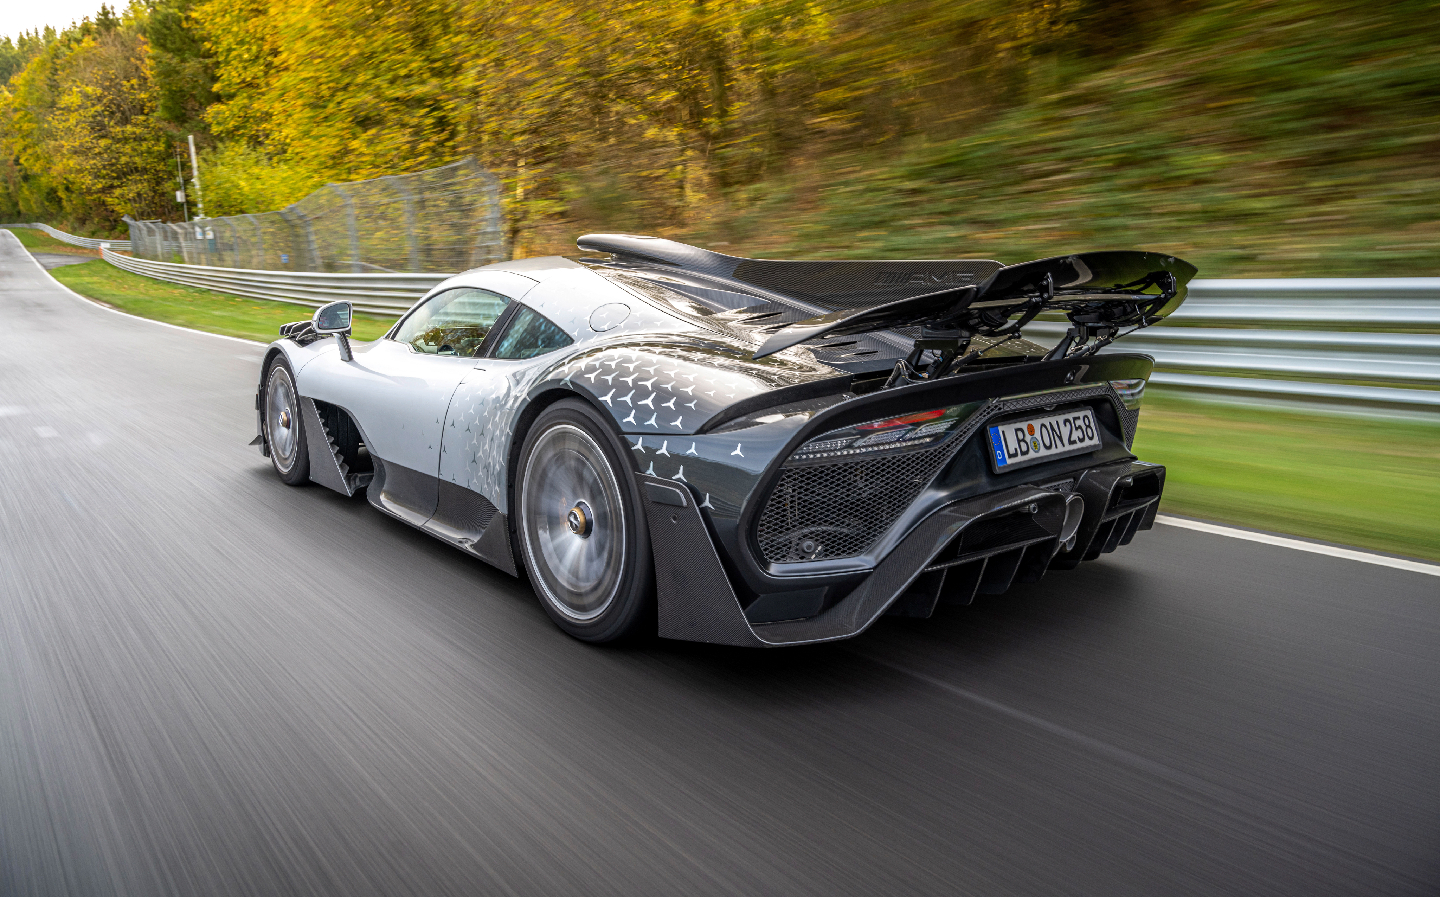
<point>78,129</point>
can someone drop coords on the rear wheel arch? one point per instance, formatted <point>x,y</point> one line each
<point>634,605</point>
<point>526,419</point>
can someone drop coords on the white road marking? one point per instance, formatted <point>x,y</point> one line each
<point>11,410</point>
<point>117,311</point>
<point>1335,551</point>
<point>46,432</point>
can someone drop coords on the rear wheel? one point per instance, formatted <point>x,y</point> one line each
<point>284,429</point>
<point>580,525</point>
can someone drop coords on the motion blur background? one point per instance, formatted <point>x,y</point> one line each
<point>1294,138</point>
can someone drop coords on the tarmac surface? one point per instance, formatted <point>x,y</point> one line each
<point>52,260</point>
<point>211,683</point>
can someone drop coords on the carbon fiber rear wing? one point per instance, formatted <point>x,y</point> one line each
<point>1100,293</point>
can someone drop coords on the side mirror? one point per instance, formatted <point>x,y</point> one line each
<point>334,318</point>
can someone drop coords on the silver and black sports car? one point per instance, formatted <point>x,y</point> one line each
<point>735,450</point>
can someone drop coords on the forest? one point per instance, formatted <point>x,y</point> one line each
<point>1256,138</point>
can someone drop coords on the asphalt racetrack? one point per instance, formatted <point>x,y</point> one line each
<point>211,683</point>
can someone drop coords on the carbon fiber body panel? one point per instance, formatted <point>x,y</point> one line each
<point>326,466</point>
<point>698,603</point>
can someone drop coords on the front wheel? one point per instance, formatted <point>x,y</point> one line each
<point>581,531</point>
<point>284,430</point>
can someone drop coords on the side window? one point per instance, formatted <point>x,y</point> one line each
<point>529,335</point>
<point>454,322</point>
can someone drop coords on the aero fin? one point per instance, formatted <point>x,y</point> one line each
<point>931,306</point>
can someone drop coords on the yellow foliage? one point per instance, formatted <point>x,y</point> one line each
<point>239,178</point>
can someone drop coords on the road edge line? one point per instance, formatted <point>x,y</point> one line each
<point>96,303</point>
<point>1349,554</point>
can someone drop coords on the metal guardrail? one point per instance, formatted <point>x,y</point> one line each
<point>1282,329</point>
<point>386,294</point>
<point>1304,390</point>
<point>1405,357</point>
<point>1243,361</point>
<point>1374,301</point>
<point>83,242</point>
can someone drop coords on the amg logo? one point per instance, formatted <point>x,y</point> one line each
<point>923,278</point>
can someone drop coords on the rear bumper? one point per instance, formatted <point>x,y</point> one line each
<point>980,544</point>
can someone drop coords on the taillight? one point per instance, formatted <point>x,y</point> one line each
<point>906,419</point>
<point>1131,392</point>
<point>892,434</point>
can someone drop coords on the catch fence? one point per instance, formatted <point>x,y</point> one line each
<point>440,220</point>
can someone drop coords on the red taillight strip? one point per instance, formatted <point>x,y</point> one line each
<point>907,419</point>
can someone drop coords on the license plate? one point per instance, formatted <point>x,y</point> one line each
<point>1021,443</point>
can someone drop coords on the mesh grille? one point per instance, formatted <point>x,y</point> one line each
<point>841,508</point>
<point>1129,421</point>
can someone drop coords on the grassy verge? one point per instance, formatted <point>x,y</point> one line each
<point>190,307</point>
<point>39,241</point>
<point>1359,482</point>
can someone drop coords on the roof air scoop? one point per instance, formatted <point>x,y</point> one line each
<point>659,251</point>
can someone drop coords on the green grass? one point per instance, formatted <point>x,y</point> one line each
<point>1364,482</point>
<point>39,241</point>
<point>190,307</point>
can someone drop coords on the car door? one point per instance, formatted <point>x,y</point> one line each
<point>398,388</point>
<point>480,423</point>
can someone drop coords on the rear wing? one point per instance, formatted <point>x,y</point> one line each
<point>1100,293</point>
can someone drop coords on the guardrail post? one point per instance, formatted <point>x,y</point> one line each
<point>352,226</point>
<point>257,255</point>
<point>491,234</point>
<point>412,239</point>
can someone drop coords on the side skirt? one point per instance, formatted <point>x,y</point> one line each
<point>459,517</point>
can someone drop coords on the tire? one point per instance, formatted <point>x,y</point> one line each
<point>580,525</point>
<point>285,426</point>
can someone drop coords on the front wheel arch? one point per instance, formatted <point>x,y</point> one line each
<point>280,379</point>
